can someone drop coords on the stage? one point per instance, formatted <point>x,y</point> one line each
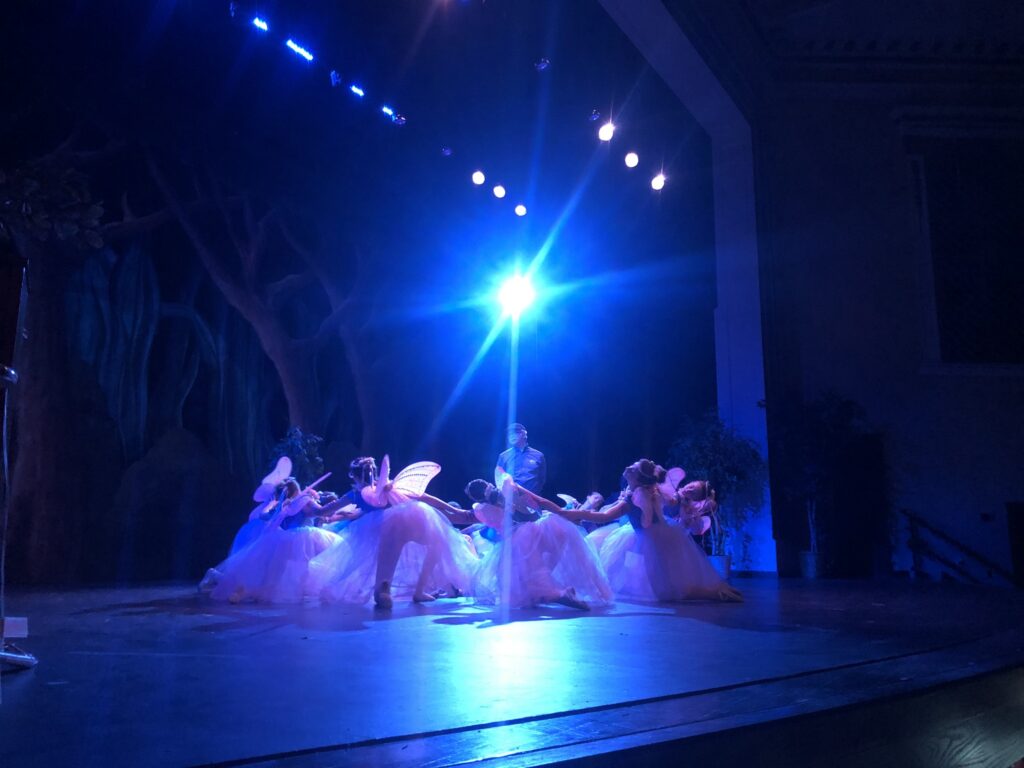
<point>800,674</point>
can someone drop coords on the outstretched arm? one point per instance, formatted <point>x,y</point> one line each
<point>455,514</point>
<point>604,515</point>
<point>539,502</point>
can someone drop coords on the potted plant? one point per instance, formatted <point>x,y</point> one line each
<point>820,438</point>
<point>709,450</point>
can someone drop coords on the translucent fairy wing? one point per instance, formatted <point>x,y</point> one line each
<point>414,479</point>
<point>282,470</point>
<point>673,478</point>
<point>698,526</point>
<point>384,475</point>
<point>264,493</point>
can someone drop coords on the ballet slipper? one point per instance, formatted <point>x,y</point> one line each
<point>382,596</point>
<point>568,598</point>
<point>423,597</point>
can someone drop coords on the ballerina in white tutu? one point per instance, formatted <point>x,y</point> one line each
<point>396,543</point>
<point>274,566</point>
<point>550,560</point>
<point>649,559</point>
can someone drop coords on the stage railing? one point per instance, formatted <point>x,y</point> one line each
<point>959,560</point>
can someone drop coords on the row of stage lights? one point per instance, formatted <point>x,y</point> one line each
<point>605,133</point>
<point>336,79</point>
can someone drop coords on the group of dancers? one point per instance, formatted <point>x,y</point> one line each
<point>388,539</point>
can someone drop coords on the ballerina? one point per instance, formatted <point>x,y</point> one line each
<point>551,561</point>
<point>268,496</point>
<point>649,559</point>
<point>274,566</point>
<point>396,541</point>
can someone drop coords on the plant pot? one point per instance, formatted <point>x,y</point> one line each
<point>810,565</point>
<point>722,564</point>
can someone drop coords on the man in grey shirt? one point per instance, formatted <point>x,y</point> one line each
<point>526,465</point>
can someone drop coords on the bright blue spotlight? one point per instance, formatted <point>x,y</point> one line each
<point>515,295</point>
<point>260,24</point>
<point>357,91</point>
<point>388,111</point>
<point>299,50</point>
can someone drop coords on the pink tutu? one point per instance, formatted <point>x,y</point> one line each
<point>347,572</point>
<point>661,562</point>
<point>549,556</point>
<point>274,568</point>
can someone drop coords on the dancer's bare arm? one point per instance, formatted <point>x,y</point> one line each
<point>456,515</point>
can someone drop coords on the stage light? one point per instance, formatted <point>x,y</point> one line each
<point>398,119</point>
<point>606,131</point>
<point>335,78</point>
<point>446,151</point>
<point>658,182</point>
<point>479,178</point>
<point>299,49</point>
<point>357,91</point>
<point>632,159</point>
<point>388,111</point>
<point>499,191</point>
<point>515,295</point>
<point>595,115</point>
<point>520,210</point>
<point>260,24</point>
<point>541,65</point>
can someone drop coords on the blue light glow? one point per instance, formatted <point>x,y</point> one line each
<point>260,24</point>
<point>515,295</point>
<point>299,49</point>
<point>357,91</point>
<point>388,111</point>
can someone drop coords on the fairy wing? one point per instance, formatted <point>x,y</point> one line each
<point>264,493</point>
<point>698,526</point>
<point>384,474</point>
<point>668,486</point>
<point>414,479</point>
<point>570,502</point>
<point>281,471</point>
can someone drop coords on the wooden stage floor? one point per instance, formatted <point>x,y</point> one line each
<point>160,676</point>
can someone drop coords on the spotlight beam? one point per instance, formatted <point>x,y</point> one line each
<point>464,380</point>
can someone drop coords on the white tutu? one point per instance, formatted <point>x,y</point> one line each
<point>348,573</point>
<point>274,568</point>
<point>661,562</point>
<point>549,556</point>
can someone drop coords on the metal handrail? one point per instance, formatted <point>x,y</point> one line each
<point>919,547</point>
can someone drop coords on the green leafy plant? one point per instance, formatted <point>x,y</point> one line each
<point>303,448</point>
<point>710,450</point>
